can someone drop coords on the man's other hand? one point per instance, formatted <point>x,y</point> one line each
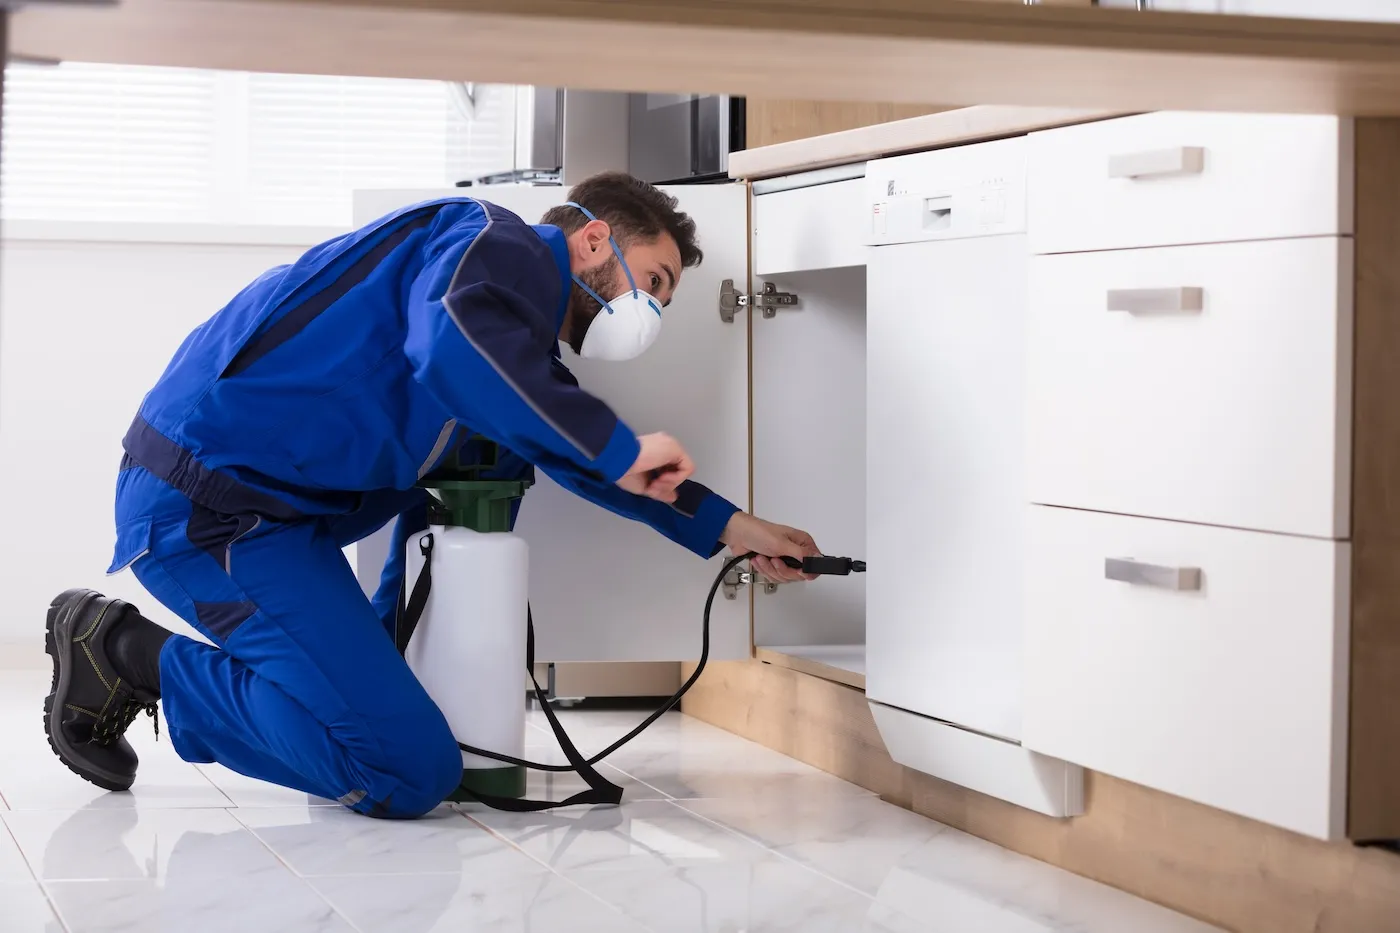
<point>745,533</point>
<point>662,466</point>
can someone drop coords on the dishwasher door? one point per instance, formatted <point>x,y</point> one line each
<point>945,402</point>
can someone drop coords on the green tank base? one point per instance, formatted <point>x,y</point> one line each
<point>495,782</point>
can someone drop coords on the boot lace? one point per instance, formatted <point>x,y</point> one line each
<point>110,728</point>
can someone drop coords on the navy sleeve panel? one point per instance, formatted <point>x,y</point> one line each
<point>481,339</point>
<point>697,531</point>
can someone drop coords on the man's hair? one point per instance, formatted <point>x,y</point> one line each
<point>635,210</point>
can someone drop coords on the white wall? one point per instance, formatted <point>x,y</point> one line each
<point>86,327</point>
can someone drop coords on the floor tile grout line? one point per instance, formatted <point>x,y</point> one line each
<point>303,879</point>
<point>229,804</point>
<point>38,882</point>
<point>554,871</point>
<point>780,855</point>
<point>729,830</point>
<point>633,777</point>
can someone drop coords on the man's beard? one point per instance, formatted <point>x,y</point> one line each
<point>583,308</point>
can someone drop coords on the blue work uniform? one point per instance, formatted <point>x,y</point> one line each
<point>296,421</point>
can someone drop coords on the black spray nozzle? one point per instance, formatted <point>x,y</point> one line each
<point>826,566</point>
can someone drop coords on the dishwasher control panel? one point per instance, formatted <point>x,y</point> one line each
<point>965,191</point>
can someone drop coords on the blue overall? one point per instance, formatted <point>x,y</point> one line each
<point>296,421</point>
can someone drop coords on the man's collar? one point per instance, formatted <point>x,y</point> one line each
<point>559,245</point>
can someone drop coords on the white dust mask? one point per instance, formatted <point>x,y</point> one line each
<point>625,326</point>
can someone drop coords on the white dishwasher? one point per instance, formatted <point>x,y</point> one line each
<point>945,351</point>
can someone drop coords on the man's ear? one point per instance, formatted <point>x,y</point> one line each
<point>595,236</point>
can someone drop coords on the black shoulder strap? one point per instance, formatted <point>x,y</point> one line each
<point>600,789</point>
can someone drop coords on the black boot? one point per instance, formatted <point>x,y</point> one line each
<point>105,673</point>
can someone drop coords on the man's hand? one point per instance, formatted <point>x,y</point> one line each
<point>662,466</point>
<point>745,533</point>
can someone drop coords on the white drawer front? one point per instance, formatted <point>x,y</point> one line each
<point>1217,392</point>
<point>1232,694</point>
<point>818,227</point>
<point>1162,179</point>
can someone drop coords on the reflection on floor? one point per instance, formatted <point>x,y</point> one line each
<point>715,834</point>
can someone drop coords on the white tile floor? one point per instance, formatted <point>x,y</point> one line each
<point>716,835</point>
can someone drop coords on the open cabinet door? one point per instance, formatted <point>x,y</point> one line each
<point>603,588</point>
<point>809,417</point>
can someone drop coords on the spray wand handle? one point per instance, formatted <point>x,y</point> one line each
<point>826,566</point>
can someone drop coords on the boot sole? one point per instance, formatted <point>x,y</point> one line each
<point>58,643</point>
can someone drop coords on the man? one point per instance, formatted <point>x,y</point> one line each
<point>298,419</point>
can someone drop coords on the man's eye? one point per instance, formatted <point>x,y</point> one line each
<point>655,281</point>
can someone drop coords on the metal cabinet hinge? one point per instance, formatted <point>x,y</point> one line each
<point>735,580</point>
<point>768,301</point>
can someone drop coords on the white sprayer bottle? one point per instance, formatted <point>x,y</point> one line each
<point>468,649</point>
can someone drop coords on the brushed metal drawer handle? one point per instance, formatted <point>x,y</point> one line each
<point>1126,570</point>
<point>1148,300</point>
<point>1158,163</point>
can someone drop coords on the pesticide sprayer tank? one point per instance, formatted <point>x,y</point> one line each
<point>468,650</point>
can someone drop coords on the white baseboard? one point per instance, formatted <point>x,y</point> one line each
<point>990,766</point>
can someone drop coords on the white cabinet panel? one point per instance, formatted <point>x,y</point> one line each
<point>604,588</point>
<point>1162,179</point>
<point>808,454</point>
<point>946,491</point>
<point>1231,691</point>
<point>989,766</point>
<point>817,227</point>
<point>1229,405</point>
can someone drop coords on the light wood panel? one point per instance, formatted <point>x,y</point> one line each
<point>779,121</point>
<point>939,52</point>
<point>811,666</point>
<point>1244,876</point>
<point>1375,521</point>
<point>916,134</point>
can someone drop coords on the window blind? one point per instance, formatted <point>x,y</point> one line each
<point>114,143</point>
<point>97,142</point>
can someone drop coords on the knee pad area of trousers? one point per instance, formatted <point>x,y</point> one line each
<point>427,775</point>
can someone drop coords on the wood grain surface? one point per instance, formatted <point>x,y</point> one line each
<point>925,52</point>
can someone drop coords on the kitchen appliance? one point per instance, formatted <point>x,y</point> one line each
<point>680,138</point>
<point>946,320</point>
<point>563,136</point>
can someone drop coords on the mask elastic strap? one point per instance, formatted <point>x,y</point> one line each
<point>592,294</point>
<point>616,251</point>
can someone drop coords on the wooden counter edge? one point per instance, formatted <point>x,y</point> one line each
<point>935,131</point>
<point>940,53</point>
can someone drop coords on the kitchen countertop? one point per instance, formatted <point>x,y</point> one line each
<point>948,128</point>
<point>941,52</point>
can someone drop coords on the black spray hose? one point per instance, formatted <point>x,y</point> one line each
<point>834,566</point>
